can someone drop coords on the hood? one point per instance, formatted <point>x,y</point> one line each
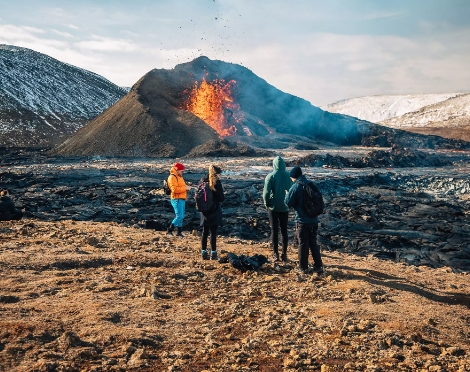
<point>279,164</point>
<point>174,172</point>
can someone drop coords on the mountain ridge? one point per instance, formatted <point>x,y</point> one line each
<point>444,114</point>
<point>43,100</point>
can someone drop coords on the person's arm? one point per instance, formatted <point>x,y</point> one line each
<point>290,199</point>
<point>175,186</point>
<point>267,191</point>
<point>220,191</point>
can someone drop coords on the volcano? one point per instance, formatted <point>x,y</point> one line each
<point>167,113</point>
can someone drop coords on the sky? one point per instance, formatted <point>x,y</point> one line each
<point>321,50</point>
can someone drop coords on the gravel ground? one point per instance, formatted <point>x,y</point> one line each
<point>89,296</point>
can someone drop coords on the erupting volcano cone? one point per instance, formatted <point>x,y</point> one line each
<point>167,113</point>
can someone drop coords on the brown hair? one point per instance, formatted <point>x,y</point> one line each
<point>214,172</point>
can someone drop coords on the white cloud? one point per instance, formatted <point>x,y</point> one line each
<point>381,15</point>
<point>106,44</point>
<point>19,35</point>
<point>73,27</point>
<point>325,67</point>
<point>62,33</point>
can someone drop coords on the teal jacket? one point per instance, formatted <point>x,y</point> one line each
<point>275,186</point>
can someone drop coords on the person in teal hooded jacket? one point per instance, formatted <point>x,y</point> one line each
<point>276,185</point>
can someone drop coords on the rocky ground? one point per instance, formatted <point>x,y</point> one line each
<point>84,287</point>
<point>98,296</point>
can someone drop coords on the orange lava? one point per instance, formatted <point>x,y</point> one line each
<point>213,103</point>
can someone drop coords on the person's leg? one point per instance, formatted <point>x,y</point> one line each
<point>302,235</point>
<point>205,234</point>
<point>213,230</point>
<point>273,222</point>
<point>283,219</point>
<point>314,247</point>
<point>174,204</point>
<point>179,207</point>
<point>180,210</point>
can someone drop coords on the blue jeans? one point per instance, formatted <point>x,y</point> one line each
<point>178,206</point>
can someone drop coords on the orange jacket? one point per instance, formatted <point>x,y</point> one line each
<point>177,185</point>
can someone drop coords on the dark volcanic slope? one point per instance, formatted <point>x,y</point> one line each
<point>140,124</point>
<point>151,119</point>
<point>43,100</point>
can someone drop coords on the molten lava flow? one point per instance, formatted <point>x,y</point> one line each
<point>213,103</point>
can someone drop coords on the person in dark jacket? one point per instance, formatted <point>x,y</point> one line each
<point>307,226</point>
<point>212,219</point>
<point>8,211</point>
<point>276,185</point>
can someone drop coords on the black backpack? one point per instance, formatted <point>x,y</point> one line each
<point>204,197</point>
<point>313,199</point>
<point>166,187</point>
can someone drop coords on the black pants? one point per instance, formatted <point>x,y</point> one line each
<point>307,238</point>
<point>205,235</point>
<point>277,219</point>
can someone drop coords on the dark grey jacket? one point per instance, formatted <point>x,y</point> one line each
<point>214,216</point>
<point>295,199</point>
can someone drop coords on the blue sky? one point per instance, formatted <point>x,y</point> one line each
<point>321,50</point>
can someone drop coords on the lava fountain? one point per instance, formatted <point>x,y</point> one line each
<point>213,103</point>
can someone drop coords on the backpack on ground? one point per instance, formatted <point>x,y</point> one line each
<point>313,199</point>
<point>166,187</point>
<point>203,197</point>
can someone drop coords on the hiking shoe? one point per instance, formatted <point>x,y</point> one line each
<point>275,257</point>
<point>205,255</point>
<point>301,271</point>
<point>214,256</point>
<point>284,257</point>
<point>318,270</point>
<point>170,229</point>
<point>178,231</point>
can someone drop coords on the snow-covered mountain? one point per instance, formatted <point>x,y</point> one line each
<point>446,115</point>
<point>449,118</point>
<point>379,108</point>
<point>43,100</point>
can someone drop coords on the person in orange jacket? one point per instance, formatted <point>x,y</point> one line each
<point>178,190</point>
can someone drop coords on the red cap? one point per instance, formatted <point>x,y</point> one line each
<point>179,166</point>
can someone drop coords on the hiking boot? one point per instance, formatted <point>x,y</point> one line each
<point>170,229</point>
<point>178,231</point>
<point>214,256</point>
<point>318,270</point>
<point>284,257</point>
<point>275,257</point>
<point>205,255</point>
<point>301,271</point>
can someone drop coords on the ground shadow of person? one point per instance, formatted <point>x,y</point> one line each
<point>379,278</point>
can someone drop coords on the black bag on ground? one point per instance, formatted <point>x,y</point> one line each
<point>313,199</point>
<point>245,263</point>
<point>203,197</point>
